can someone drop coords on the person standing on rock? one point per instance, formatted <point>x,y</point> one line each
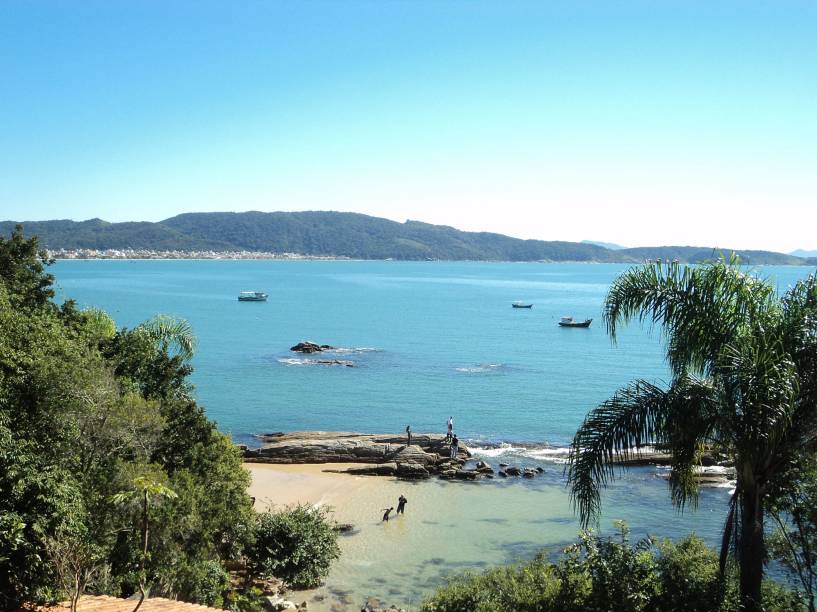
<point>401,505</point>
<point>450,433</point>
<point>455,447</point>
<point>408,434</point>
<point>388,511</point>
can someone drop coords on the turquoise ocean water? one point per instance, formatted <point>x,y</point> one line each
<point>429,339</point>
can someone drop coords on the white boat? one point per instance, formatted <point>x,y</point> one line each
<point>252,296</point>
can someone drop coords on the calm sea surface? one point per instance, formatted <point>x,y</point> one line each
<point>428,340</point>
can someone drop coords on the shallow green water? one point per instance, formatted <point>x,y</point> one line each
<point>454,526</point>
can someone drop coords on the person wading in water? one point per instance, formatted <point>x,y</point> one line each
<point>388,511</point>
<point>401,505</point>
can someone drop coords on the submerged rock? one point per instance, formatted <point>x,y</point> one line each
<point>333,362</point>
<point>466,475</point>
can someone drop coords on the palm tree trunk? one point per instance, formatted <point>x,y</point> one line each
<point>751,549</point>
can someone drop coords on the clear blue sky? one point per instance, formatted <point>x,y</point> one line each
<point>638,122</point>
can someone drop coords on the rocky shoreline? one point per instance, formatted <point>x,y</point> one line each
<point>427,456</point>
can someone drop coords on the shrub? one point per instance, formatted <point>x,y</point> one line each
<point>601,575</point>
<point>204,582</point>
<point>297,544</point>
<point>690,577</point>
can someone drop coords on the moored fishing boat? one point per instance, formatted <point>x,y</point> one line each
<point>252,296</point>
<point>571,322</point>
<point>521,305</point>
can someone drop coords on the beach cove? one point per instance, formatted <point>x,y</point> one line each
<point>429,340</point>
<point>452,526</point>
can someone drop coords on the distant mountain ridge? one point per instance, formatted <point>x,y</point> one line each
<point>349,235</point>
<point>606,245</point>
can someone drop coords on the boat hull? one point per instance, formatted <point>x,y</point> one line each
<point>522,305</point>
<point>576,323</point>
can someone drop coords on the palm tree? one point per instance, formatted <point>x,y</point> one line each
<point>169,334</point>
<point>743,362</point>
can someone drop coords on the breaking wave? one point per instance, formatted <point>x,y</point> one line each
<point>538,452</point>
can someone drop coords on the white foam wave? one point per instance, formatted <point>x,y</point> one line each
<point>358,349</point>
<point>483,367</point>
<point>292,361</point>
<point>502,449</point>
<point>554,454</point>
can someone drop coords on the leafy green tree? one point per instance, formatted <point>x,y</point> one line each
<point>146,488</point>
<point>22,270</point>
<point>794,510</point>
<point>297,544</point>
<point>139,360</point>
<point>744,381</point>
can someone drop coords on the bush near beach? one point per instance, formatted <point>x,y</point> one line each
<point>296,544</point>
<point>598,574</point>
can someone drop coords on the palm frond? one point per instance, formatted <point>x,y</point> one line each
<point>616,429</point>
<point>699,309</point>
<point>679,420</point>
<point>170,334</point>
<point>692,421</point>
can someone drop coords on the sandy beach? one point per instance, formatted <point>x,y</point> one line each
<point>275,485</point>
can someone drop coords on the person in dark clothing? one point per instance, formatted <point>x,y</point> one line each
<point>401,505</point>
<point>388,511</point>
<point>408,433</point>
<point>455,447</point>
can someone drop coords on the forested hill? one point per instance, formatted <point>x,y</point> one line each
<point>345,234</point>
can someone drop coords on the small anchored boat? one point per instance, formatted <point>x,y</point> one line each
<point>571,322</point>
<point>521,305</point>
<point>252,296</point>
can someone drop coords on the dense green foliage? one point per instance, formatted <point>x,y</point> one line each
<point>600,575</point>
<point>347,234</point>
<point>296,544</point>
<point>744,383</point>
<point>111,476</point>
<point>794,510</point>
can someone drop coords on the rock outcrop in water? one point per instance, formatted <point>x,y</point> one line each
<point>379,455</point>
<point>310,347</point>
<point>382,454</point>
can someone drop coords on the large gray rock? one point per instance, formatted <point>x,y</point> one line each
<point>344,447</point>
